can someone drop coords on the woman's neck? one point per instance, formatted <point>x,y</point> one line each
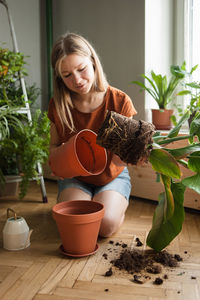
<point>88,102</point>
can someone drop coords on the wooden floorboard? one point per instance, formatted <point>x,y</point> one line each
<point>41,272</point>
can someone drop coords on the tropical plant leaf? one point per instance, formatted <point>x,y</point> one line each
<point>145,88</point>
<point>164,163</point>
<point>195,127</point>
<point>184,152</point>
<point>183,93</point>
<point>193,182</point>
<point>169,201</point>
<point>163,232</point>
<point>194,162</point>
<point>194,68</point>
<point>194,85</point>
<point>174,131</point>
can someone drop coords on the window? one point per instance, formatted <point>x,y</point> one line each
<point>192,35</point>
<point>191,44</point>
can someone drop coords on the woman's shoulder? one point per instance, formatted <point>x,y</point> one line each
<point>117,94</point>
<point>116,91</point>
<point>120,102</point>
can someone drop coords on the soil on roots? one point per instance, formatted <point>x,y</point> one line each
<point>131,140</point>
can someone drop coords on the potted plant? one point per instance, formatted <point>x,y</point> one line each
<point>22,143</point>
<point>162,90</point>
<point>192,89</point>
<point>169,213</point>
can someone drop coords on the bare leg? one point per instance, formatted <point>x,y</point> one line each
<point>73,194</point>
<point>115,206</point>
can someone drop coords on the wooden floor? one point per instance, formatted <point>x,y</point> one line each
<point>41,272</point>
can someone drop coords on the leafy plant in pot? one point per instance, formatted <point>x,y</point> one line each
<point>192,90</point>
<point>121,135</point>
<point>22,143</point>
<point>162,90</point>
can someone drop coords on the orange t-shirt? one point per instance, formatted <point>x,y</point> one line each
<point>114,100</point>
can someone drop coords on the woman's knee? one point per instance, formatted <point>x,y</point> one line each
<point>115,206</point>
<point>69,194</point>
<point>110,225</point>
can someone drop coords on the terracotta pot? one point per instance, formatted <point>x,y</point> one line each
<point>78,223</point>
<point>80,156</point>
<point>161,118</point>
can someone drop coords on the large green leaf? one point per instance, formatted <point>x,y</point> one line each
<point>193,182</point>
<point>184,152</point>
<point>169,203</point>
<point>195,127</point>
<point>163,232</point>
<point>194,162</point>
<point>164,163</point>
<point>174,131</point>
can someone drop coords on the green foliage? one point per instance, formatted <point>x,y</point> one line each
<point>164,163</point>
<point>164,230</point>
<point>162,89</point>
<point>192,90</point>
<point>169,214</point>
<point>22,143</point>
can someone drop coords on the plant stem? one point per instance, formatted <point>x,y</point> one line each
<point>174,139</point>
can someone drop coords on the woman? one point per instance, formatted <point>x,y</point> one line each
<point>81,98</point>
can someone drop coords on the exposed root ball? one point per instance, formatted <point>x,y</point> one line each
<point>131,140</point>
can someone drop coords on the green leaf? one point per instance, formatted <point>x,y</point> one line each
<point>163,232</point>
<point>169,203</point>
<point>194,162</point>
<point>194,68</point>
<point>193,182</point>
<point>143,87</point>
<point>174,131</point>
<point>194,85</point>
<point>184,152</point>
<point>183,93</point>
<point>164,163</point>
<point>178,72</point>
<point>195,127</point>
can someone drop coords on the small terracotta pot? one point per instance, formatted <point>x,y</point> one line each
<point>78,223</point>
<point>80,156</point>
<point>161,118</point>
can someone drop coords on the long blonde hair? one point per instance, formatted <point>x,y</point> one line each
<point>67,44</point>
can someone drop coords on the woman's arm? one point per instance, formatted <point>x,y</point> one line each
<point>54,138</point>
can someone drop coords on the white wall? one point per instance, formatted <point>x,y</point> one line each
<point>26,19</point>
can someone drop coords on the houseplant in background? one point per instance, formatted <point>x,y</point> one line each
<point>191,90</point>
<point>163,90</point>
<point>22,143</point>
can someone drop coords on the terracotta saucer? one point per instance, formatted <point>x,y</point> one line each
<point>61,248</point>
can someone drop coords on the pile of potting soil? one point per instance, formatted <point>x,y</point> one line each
<point>139,263</point>
<point>131,140</point>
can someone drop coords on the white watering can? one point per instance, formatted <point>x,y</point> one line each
<point>16,233</point>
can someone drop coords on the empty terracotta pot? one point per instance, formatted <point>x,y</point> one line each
<point>78,223</point>
<point>80,156</point>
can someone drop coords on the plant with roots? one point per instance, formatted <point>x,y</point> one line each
<point>169,213</point>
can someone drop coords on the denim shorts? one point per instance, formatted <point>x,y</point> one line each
<point>121,184</point>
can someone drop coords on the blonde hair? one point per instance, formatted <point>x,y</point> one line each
<point>67,44</point>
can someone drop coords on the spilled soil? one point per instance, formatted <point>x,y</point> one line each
<point>143,263</point>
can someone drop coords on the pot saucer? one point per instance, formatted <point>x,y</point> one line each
<point>61,248</point>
